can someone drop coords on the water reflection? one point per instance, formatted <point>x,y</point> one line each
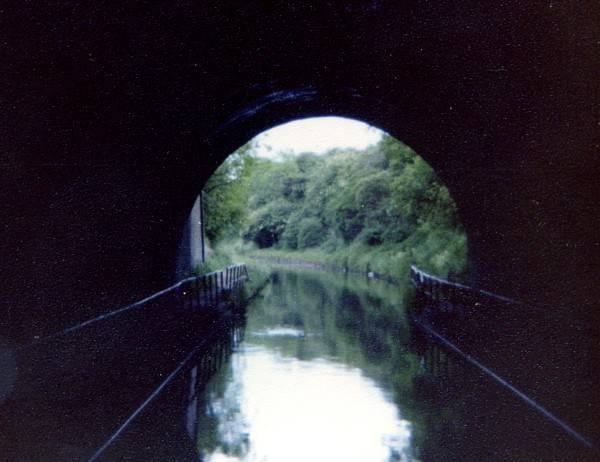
<point>301,388</point>
<point>278,408</point>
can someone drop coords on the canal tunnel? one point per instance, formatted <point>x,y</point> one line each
<point>114,118</point>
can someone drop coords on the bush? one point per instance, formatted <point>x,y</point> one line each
<point>372,235</point>
<point>310,233</point>
<point>289,238</point>
<point>379,210</point>
<point>268,223</point>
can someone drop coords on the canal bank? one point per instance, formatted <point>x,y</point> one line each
<point>312,261</point>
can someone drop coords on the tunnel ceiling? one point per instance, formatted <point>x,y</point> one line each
<point>114,117</point>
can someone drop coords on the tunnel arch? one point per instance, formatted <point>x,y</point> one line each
<point>313,124</point>
<point>133,131</point>
<point>115,117</point>
<point>502,109</point>
<point>278,108</point>
<point>460,159</point>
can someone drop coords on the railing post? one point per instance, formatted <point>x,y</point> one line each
<point>198,300</point>
<point>215,288</point>
<point>219,279</point>
<point>208,290</point>
<point>221,282</point>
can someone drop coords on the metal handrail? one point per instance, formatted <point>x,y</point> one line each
<point>183,290</point>
<point>441,289</point>
<point>447,295</point>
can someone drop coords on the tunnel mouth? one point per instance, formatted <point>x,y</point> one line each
<point>383,182</point>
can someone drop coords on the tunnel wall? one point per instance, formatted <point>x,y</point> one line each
<point>116,116</point>
<point>190,249</point>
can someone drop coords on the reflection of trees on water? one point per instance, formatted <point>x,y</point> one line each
<point>221,427</point>
<point>361,323</point>
<point>206,383</point>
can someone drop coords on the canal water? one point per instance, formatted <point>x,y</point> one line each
<point>314,378</point>
<point>327,367</point>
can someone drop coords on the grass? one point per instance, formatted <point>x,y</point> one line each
<point>442,254</point>
<point>225,255</point>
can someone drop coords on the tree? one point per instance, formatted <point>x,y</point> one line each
<point>226,193</point>
<point>385,197</point>
<point>310,233</point>
<point>267,224</point>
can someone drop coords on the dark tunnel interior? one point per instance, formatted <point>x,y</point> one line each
<point>114,117</point>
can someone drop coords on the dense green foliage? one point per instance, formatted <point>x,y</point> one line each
<point>380,209</point>
<point>226,194</point>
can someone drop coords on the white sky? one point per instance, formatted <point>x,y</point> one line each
<point>316,134</point>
